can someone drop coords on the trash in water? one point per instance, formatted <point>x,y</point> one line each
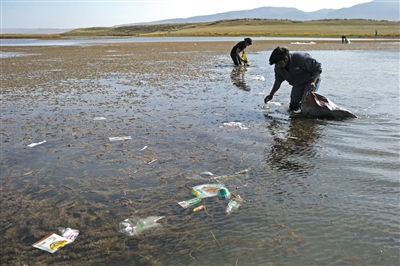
<point>235,124</point>
<point>206,190</point>
<point>201,207</point>
<point>142,149</point>
<point>99,118</point>
<point>69,233</point>
<point>194,177</point>
<point>271,105</point>
<point>224,194</point>
<point>232,205</point>
<point>35,144</point>
<point>302,43</point>
<point>245,171</point>
<point>133,226</point>
<point>186,203</point>
<point>256,77</point>
<point>207,173</point>
<point>51,243</point>
<point>120,138</point>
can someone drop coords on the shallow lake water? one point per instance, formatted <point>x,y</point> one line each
<point>317,192</point>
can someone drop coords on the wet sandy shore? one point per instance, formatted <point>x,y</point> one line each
<point>149,91</point>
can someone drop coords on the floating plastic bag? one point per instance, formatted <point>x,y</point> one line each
<point>68,233</point>
<point>134,226</point>
<point>206,190</point>
<point>236,124</point>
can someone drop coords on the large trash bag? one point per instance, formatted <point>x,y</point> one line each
<point>317,105</point>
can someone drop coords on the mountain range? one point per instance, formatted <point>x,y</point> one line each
<point>375,10</point>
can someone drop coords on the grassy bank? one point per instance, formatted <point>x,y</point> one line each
<point>355,28</point>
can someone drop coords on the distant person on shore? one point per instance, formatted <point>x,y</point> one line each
<point>343,38</point>
<point>376,33</point>
<point>299,69</point>
<point>237,49</point>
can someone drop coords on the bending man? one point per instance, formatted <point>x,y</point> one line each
<point>239,47</point>
<point>299,69</point>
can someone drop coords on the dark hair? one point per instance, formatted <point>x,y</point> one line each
<point>248,40</point>
<point>278,54</point>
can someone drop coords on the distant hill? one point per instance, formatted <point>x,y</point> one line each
<point>375,10</point>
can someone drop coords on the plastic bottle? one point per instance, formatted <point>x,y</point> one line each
<point>232,205</point>
<point>224,194</point>
<point>147,223</point>
<point>132,226</point>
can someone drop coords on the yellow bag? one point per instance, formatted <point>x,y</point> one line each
<point>244,57</point>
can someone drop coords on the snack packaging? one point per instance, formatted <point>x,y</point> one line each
<point>51,243</point>
<point>207,190</point>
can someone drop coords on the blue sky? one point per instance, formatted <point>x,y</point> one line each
<point>66,14</point>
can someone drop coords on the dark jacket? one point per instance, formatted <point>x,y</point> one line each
<point>241,45</point>
<point>301,68</point>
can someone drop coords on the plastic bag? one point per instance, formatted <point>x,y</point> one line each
<point>134,226</point>
<point>244,57</point>
<point>68,233</point>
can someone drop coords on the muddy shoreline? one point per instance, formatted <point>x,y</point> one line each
<point>160,94</point>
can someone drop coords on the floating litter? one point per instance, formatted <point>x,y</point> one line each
<point>35,144</point>
<point>119,138</point>
<point>99,118</point>
<point>236,124</point>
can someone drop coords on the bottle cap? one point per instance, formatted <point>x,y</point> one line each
<point>224,194</point>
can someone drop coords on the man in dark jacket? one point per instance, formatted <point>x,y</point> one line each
<point>299,69</point>
<point>239,47</point>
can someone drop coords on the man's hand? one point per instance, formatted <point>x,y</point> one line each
<point>312,86</point>
<point>268,98</point>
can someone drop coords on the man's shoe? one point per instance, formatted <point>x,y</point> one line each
<point>297,111</point>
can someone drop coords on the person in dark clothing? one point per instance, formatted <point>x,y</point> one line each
<point>343,38</point>
<point>299,69</point>
<point>239,47</point>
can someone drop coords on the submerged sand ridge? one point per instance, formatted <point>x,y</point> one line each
<point>168,97</point>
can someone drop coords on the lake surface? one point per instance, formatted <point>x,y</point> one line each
<point>318,192</point>
<point>94,40</point>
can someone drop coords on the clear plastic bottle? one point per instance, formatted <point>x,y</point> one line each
<point>232,205</point>
<point>132,226</point>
